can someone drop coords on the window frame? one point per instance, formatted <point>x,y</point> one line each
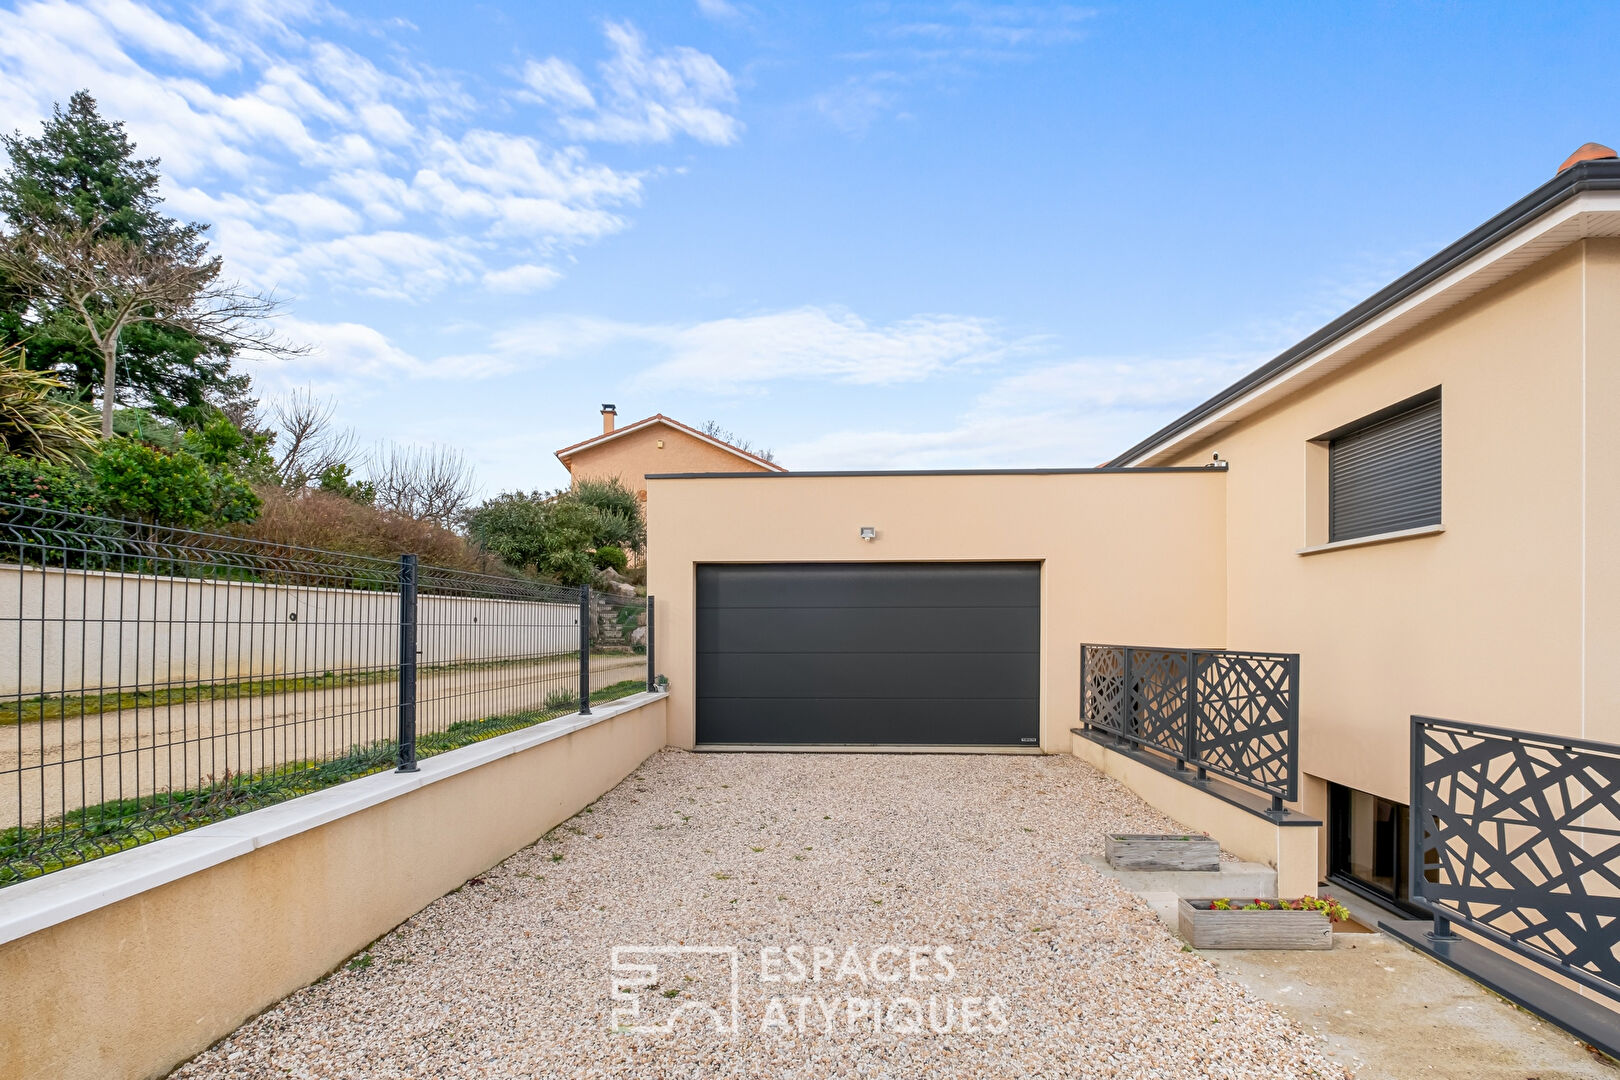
<point>1319,480</point>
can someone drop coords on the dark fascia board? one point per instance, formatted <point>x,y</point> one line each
<point>1100,470</point>
<point>1587,176</point>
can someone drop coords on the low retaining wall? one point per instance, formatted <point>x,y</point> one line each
<point>125,966</point>
<point>1289,849</point>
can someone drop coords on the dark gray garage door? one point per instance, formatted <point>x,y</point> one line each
<point>869,653</point>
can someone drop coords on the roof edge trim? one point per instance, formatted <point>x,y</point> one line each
<point>1599,175</point>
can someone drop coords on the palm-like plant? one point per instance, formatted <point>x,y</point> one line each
<point>36,419</point>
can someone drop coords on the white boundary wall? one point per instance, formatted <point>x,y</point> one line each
<point>71,630</point>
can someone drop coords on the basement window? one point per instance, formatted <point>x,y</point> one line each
<point>1369,847</point>
<point>1383,471</point>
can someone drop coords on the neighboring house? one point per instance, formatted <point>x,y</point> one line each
<point>654,445</point>
<point>1420,499</point>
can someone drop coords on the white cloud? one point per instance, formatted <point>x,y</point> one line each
<point>556,82</point>
<point>149,31</point>
<point>655,96</point>
<point>391,264</point>
<point>526,277</point>
<point>1073,413</point>
<point>858,102</point>
<point>937,52</point>
<point>309,212</point>
<point>315,164</point>
<point>347,351</point>
<point>996,31</point>
<point>719,10</point>
<point>804,343</point>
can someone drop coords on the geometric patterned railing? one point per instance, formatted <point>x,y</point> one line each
<point>1517,837</point>
<point>1233,714</point>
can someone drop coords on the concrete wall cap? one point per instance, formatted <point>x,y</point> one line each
<point>45,901</point>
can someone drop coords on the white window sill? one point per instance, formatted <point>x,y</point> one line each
<point>1376,538</point>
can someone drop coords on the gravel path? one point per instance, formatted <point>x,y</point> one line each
<point>968,866</point>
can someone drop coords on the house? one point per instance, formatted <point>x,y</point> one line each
<point>1418,500</point>
<point>656,444</point>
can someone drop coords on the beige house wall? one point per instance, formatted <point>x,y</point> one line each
<point>631,457</point>
<point>1600,480</point>
<point>1294,851</point>
<point>1506,616</point>
<point>1482,622</point>
<point>1126,557</point>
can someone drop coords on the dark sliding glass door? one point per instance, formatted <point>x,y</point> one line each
<point>1369,845</point>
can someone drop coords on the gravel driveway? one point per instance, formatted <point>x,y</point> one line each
<point>959,935</point>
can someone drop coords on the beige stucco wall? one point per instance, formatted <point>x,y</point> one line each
<point>1482,622</point>
<point>1128,557</point>
<point>1600,478</point>
<point>631,457</point>
<point>133,988</point>
<point>1292,850</point>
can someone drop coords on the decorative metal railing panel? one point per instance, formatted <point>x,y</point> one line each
<point>1103,702</point>
<point>1233,714</point>
<point>1516,836</point>
<point>1248,718</point>
<point>1158,714</point>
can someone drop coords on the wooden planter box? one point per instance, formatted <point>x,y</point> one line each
<point>1206,928</point>
<point>1162,851</point>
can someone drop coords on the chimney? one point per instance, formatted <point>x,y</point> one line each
<point>609,413</point>
<point>1588,152</point>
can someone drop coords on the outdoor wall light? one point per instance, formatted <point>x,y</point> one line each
<point>868,532</point>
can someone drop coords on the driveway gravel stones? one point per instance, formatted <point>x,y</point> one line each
<point>891,917</point>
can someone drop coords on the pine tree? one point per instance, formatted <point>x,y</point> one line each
<point>82,169</point>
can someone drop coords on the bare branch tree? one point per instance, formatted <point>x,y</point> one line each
<point>432,482</point>
<point>111,284</point>
<point>308,442</point>
<point>713,430</point>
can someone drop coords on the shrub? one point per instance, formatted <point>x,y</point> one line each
<point>323,520</point>
<point>36,483</point>
<point>610,555</point>
<point>621,522</point>
<point>139,481</point>
<point>183,489</point>
<point>559,534</point>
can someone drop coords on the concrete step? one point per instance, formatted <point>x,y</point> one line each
<point>1233,879</point>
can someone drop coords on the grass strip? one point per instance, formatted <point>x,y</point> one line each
<point>118,824</point>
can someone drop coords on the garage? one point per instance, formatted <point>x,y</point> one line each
<point>869,654</point>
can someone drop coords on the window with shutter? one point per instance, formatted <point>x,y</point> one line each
<point>1384,476</point>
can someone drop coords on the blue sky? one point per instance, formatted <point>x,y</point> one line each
<point>872,236</point>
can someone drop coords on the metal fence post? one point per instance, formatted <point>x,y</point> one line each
<point>1195,671</point>
<point>584,650</point>
<point>407,663</point>
<point>1085,689</point>
<point>652,668</point>
<point>1127,699</point>
<point>1187,748</point>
